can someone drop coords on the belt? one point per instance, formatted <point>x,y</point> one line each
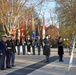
<point>46,44</point>
<point>8,47</point>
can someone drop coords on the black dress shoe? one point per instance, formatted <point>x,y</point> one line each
<point>13,66</point>
<point>47,61</point>
<point>8,67</point>
<point>3,69</point>
<point>61,60</point>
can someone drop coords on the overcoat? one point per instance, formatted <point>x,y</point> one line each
<point>60,48</point>
<point>46,47</point>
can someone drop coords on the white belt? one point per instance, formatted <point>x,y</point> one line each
<point>8,47</point>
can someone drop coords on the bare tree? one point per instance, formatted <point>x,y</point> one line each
<point>66,11</point>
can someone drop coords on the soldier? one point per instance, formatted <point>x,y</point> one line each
<point>8,51</point>
<point>2,52</point>
<point>18,46</point>
<point>38,45</point>
<point>33,46</point>
<point>28,45</point>
<point>23,46</point>
<point>13,50</point>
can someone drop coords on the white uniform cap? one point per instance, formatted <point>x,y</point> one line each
<point>8,36</point>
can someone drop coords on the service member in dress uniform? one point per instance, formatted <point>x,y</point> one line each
<point>2,52</point>
<point>23,46</point>
<point>8,51</point>
<point>33,46</point>
<point>38,45</point>
<point>29,45</point>
<point>13,50</point>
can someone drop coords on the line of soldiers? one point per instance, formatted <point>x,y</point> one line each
<point>34,43</point>
<point>29,43</point>
<point>7,52</point>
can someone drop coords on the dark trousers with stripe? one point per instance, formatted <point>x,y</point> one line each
<point>8,57</point>
<point>2,62</point>
<point>38,50</point>
<point>18,48</point>
<point>33,50</point>
<point>12,59</point>
<point>23,48</point>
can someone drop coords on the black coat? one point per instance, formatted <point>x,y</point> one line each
<point>46,50</point>
<point>60,48</point>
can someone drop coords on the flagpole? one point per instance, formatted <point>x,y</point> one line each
<point>43,32</point>
<point>33,28</point>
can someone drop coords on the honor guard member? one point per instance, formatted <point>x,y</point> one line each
<point>29,45</point>
<point>33,46</point>
<point>38,45</point>
<point>18,46</point>
<point>8,51</point>
<point>23,46</point>
<point>2,52</point>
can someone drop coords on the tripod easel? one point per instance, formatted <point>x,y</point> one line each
<point>72,55</point>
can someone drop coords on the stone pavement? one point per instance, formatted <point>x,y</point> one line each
<point>36,65</point>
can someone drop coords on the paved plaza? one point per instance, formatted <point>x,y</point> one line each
<point>36,65</point>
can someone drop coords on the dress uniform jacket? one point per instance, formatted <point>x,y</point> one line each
<point>3,52</point>
<point>9,47</point>
<point>2,47</point>
<point>28,45</point>
<point>13,50</point>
